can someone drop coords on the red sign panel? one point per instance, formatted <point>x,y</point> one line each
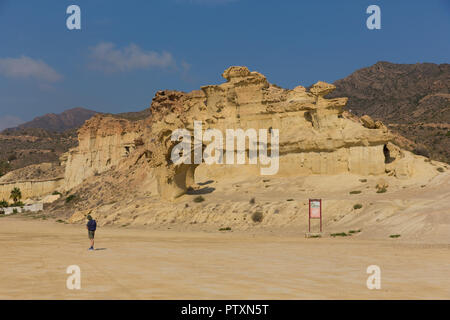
<point>315,208</point>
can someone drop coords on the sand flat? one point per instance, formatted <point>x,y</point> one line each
<point>138,263</point>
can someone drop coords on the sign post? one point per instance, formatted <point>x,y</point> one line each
<point>315,212</point>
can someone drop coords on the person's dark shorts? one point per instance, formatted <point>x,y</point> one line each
<point>91,234</point>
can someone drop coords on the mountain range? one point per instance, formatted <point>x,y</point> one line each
<point>69,119</point>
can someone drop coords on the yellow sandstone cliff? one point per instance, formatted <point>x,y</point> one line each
<point>315,136</point>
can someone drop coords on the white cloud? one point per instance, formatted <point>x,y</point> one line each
<point>9,122</point>
<point>26,67</point>
<point>106,57</point>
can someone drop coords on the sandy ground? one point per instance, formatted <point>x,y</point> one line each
<point>139,263</point>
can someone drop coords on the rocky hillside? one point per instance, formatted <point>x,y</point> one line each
<point>43,139</point>
<point>32,146</point>
<point>412,99</point>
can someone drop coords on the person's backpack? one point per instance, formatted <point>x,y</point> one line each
<point>92,224</point>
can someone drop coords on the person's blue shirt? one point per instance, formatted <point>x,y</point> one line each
<point>92,225</point>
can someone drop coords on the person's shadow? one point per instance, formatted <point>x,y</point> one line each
<point>100,249</point>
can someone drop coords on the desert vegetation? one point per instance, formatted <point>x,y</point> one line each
<point>199,199</point>
<point>257,216</point>
<point>16,195</point>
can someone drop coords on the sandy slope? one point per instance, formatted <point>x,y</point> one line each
<point>138,263</point>
<point>417,208</point>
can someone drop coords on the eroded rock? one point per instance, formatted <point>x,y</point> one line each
<point>314,137</point>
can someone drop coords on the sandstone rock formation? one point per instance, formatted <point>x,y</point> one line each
<point>315,136</point>
<point>103,142</point>
<point>368,122</point>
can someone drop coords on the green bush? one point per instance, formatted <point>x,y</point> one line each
<point>4,204</point>
<point>339,234</point>
<point>440,169</point>
<point>257,216</point>
<point>199,199</point>
<point>357,206</point>
<point>56,193</point>
<point>225,229</point>
<point>382,190</point>
<point>355,192</point>
<point>394,236</point>
<point>70,198</point>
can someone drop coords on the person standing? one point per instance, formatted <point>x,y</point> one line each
<point>91,226</point>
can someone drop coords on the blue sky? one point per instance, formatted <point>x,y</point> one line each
<point>127,50</point>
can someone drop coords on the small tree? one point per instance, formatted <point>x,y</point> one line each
<point>16,194</point>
